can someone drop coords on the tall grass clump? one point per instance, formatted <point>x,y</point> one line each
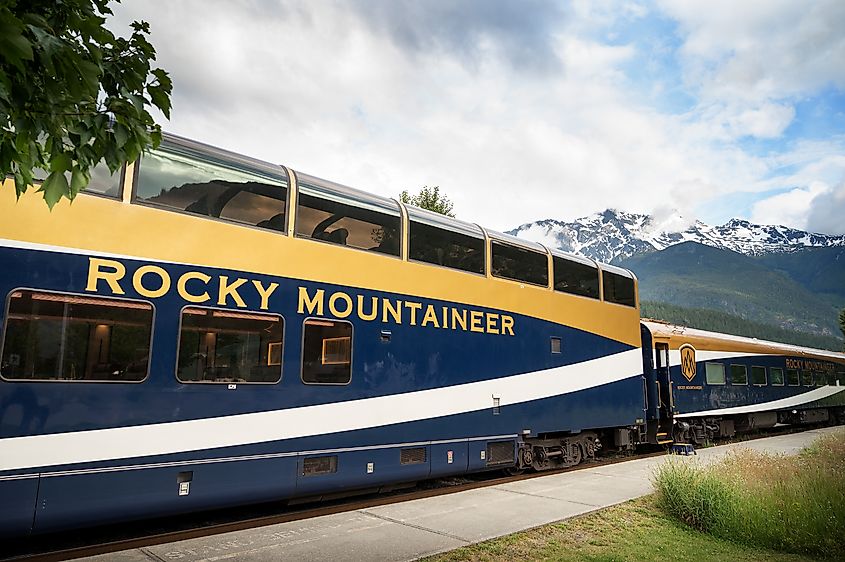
<point>789,503</point>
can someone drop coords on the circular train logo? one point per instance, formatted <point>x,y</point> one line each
<point>688,361</point>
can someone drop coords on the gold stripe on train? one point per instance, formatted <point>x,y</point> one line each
<point>701,340</point>
<point>99,224</point>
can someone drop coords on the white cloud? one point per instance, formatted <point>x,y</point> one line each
<point>827,211</point>
<point>756,50</point>
<point>789,208</point>
<point>517,116</point>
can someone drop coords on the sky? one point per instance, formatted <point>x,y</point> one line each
<point>526,110</point>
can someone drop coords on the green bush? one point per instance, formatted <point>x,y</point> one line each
<point>792,504</point>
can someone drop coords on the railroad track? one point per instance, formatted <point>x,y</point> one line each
<point>50,548</point>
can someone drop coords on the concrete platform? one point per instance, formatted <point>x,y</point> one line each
<point>413,529</point>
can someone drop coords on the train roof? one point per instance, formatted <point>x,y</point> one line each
<point>704,339</point>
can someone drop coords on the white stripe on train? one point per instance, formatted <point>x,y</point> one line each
<point>261,427</point>
<point>819,393</point>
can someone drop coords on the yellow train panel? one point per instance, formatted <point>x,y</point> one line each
<point>148,233</point>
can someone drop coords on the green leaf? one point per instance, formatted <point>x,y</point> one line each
<point>78,181</point>
<point>15,47</point>
<point>160,99</point>
<point>61,163</point>
<point>54,187</point>
<point>121,135</point>
<point>155,135</point>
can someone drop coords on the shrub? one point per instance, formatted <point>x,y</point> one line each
<point>793,504</point>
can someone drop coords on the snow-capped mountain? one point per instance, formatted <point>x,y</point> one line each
<point>615,235</point>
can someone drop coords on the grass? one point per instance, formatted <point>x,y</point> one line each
<point>790,504</point>
<point>748,507</point>
<point>634,531</point>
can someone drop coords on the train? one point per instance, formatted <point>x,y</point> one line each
<point>204,329</point>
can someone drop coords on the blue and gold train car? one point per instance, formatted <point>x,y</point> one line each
<point>204,329</point>
<point>716,384</point>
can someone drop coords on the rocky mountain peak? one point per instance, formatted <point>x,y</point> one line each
<point>613,235</point>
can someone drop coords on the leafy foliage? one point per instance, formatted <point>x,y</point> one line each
<point>429,198</point>
<point>72,94</point>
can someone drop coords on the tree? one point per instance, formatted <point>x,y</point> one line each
<point>72,94</point>
<point>842,322</point>
<point>429,198</point>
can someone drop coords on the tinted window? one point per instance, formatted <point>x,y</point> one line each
<point>758,375</point>
<point>618,289</point>
<point>776,374</point>
<point>821,379</point>
<point>520,264</point>
<point>715,373</point>
<point>576,278</point>
<point>739,375</point>
<point>792,377</point>
<point>65,337</point>
<point>347,225</point>
<point>102,182</point>
<point>327,352</point>
<point>807,378</point>
<point>443,247</point>
<point>231,347</point>
<point>213,187</point>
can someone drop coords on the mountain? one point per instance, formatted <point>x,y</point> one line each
<point>614,235</point>
<point>694,275</point>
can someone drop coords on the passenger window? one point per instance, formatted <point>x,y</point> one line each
<point>348,218</point>
<point>739,374</point>
<point>520,264</point>
<point>776,374</point>
<point>102,182</point>
<point>821,379</point>
<point>758,376</point>
<point>714,373</point>
<point>58,337</point>
<point>807,377</point>
<point>576,278</point>
<point>235,190</point>
<point>792,377</point>
<point>327,352</point>
<point>439,246</point>
<point>221,346</point>
<point>618,289</point>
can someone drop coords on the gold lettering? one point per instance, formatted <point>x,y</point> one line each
<point>138,281</point>
<point>227,290</point>
<point>312,305</point>
<point>265,292</point>
<point>507,324</point>
<point>475,317</point>
<point>445,317</point>
<point>492,318</point>
<point>112,278</point>
<point>414,306</point>
<point>430,317</point>
<point>395,312</point>
<point>181,286</point>
<point>373,312</point>
<point>459,317</point>
<point>333,301</point>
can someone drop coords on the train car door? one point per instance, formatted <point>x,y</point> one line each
<point>665,392</point>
